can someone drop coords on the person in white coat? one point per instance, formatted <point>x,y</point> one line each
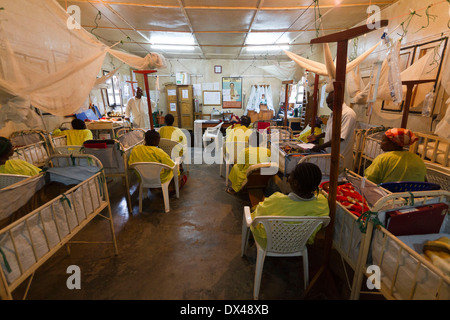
<point>348,124</point>
<point>137,108</point>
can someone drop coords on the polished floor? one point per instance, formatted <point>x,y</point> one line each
<point>190,253</point>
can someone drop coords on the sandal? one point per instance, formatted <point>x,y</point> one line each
<point>230,190</point>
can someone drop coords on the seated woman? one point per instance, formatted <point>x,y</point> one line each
<point>151,153</point>
<point>77,135</point>
<point>172,133</point>
<point>254,154</point>
<point>14,166</point>
<point>396,164</point>
<point>304,200</point>
<point>240,131</point>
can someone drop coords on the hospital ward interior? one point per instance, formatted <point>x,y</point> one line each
<point>197,150</point>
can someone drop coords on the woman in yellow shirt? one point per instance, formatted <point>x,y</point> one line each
<point>14,166</point>
<point>77,135</point>
<point>151,153</point>
<point>396,163</point>
<point>254,154</point>
<point>172,133</point>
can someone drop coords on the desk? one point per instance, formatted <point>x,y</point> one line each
<point>200,125</point>
<point>112,126</point>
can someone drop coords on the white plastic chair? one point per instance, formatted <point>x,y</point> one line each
<point>173,148</point>
<point>286,237</point>
<point>231,151</point>
<point>149,173</point>
<point>212,134</point>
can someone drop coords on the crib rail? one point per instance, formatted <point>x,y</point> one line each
<point>36,153</point>
<point>29,242</point>
<point>405,274</point>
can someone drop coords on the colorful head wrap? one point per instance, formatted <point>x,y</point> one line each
<point>401,137</point>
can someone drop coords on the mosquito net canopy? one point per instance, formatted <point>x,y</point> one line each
<point>46,63</point>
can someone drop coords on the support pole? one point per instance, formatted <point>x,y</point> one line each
<point>132,86</point>
<point>286,100</point>
<point>339,87</point>
<point>409,88</point>
<point>147,91</point>
<point>315,103</point>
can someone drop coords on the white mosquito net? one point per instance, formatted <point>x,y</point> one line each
<point>46,63</point>
<point>328,69</point>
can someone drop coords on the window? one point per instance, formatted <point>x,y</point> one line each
<point>113,91</point>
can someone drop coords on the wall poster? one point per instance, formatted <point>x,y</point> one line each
<point>231,92</point>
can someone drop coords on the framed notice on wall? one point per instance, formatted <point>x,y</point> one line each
<point>231,92</point>
<point>212,98</point>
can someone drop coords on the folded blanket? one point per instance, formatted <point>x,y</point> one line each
<point>438,252</point>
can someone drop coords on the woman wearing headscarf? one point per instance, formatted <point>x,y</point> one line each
<point>396,164</point>
<point>14,166</point>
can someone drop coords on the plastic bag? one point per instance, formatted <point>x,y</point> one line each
<point>428,104</point>
<point>394,77</point>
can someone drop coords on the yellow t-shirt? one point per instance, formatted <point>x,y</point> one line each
<point>17,166</point>
<point>144,153</point>
<point>307,132</point>
<point>173,133</point>
<point>245,159</point>
<point>395,166</point>
<point>279,204</point>
<point>238,133</point>
<point>74,137</point>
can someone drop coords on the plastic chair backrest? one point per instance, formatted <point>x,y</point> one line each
<point>150,173</point>
<point>402,186</point>
<point>255,177</point>
<point>214,130</point>
<point>172,148</point>
<point>289,235</point>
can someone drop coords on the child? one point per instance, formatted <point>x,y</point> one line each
<point>304,200</point>
<point>14,166</point>
<point>151,153</point>
<point>77,135</point>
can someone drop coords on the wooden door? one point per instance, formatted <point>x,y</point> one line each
<point>172,103</point>
<point>186,107</point>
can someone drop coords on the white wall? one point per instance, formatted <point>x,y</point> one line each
<point>202,72</point>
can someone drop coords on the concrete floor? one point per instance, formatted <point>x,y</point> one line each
<point>190,253</point>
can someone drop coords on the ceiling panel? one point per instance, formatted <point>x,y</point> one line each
<point>219,39</point>
<point>153,18</point>
<point>217,29</point>
<point>215,3</point>
<point>233,51</point>
<point>276,20</point>
<point>217,20</point>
